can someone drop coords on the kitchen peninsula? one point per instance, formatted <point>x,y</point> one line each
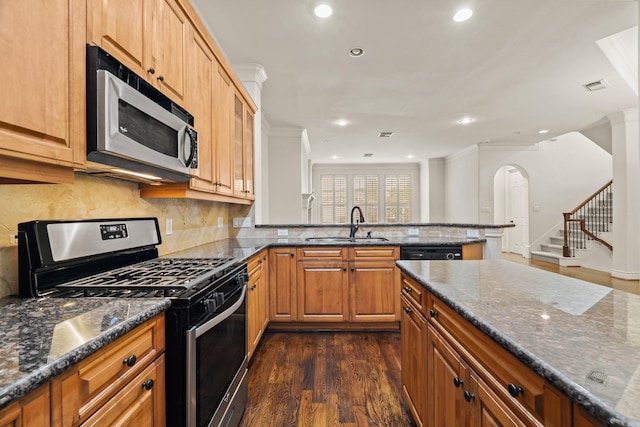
<point>546,347</point>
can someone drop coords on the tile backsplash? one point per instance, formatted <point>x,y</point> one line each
<point>194,222</point>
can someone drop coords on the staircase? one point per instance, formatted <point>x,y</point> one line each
<point>587,224</point>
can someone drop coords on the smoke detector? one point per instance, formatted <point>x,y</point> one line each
<point>385,134</point>
<point>597,85</point>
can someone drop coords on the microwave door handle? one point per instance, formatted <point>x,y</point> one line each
<point>194,148</point>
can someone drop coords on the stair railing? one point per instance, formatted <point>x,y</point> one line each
<point>585,222</point>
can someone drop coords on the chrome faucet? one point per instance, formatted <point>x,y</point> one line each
<point>354,226</point>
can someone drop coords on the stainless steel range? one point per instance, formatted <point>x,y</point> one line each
<point>205,325</point>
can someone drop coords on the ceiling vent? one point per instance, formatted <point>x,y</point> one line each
<point>597,85</point>
<point>385,134</point>
<point>368,154</point>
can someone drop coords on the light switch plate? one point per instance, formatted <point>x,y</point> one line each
<point>473,233</point>
<point>283,232</point>
<point>169,227</point>
<point>413,232</point>
<point>220,222</point>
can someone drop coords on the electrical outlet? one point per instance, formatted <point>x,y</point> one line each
<point>473,233</point>
<point>413,232</point>
<point>283,232</point>
<point>220,222</point>
<point>242,222</point>
<point>169,227</point>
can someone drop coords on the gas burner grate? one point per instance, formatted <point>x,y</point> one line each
<point>158,273</point>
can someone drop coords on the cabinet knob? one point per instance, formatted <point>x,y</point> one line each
<point>514,390</point>
<point>353,269</point>
<point>147,385</point>
<point>468,396</point>
<point>408,310</point>
<point>433,313</point>
<point>291,254</point>
<point>457,382</point>
<point>151,70</point>
<point>161,78</point>
<point>130,361</point>
<point>407,289</point>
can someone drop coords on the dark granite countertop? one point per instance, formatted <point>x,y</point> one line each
<point>581,337</point>
<point>41,338</point>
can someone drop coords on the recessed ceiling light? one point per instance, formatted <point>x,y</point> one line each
<point>334,157</point>
<point>356,52</point>
<point>465,120</point>
<point>410,156</point>
<point>543,131</point>
<point>323,11</point>
<point>462,15</point>
<point>342,122</point>
<point>326,141</point>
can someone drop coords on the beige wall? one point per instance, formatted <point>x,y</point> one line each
<point>194,222</point>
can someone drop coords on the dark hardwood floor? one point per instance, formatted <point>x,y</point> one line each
<point>328,379</point>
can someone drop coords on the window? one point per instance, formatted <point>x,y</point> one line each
<point>385,193</point>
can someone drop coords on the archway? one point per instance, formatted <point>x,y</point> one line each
<point>511,206</point>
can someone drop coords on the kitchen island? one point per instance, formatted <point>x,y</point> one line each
<point>582,339</point>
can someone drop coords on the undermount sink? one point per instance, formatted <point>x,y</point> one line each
<point>345,239</point>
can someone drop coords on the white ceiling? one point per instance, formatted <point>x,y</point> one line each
<point>516,67</point>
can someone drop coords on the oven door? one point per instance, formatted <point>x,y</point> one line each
<point>217,366</point>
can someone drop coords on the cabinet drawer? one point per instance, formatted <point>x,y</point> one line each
<point>374,253</point>
<point>255,263</point>
<point>517,385</point>
<point>103,374</point>
<point>141,402</point>
<point>415,293</point>
<point>321,253</point>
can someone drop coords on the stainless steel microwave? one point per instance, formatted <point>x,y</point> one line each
<point>133,130</point>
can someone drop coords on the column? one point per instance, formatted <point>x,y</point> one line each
<point>626,194</point>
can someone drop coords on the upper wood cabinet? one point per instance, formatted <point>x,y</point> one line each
<point>42,81</point>
<point>148,36</point>
<point>222,109</point>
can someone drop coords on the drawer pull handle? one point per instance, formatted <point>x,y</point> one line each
<point>130,361</point>
<point>407,290</point>
<point>151,70</point>
<point>147,385</point>
<point>408,310</point>
<point>457,382</point>
<point>514,390</point>
<point>433,313</point>
<point>469,396</point>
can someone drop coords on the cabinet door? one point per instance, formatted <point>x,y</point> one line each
<point>254,304</point>
<point>202,69</point>
<point>42,81</point>
<point>374,291</point>
<point>264,290</point>
<point>33,410</point>
<point>446,378</point>
<point>169,43</point>
<point>413,341</point>
<point>118,26</point>
<point>323,291</point>
<point>222,123</point>
<point>248,155</point>
<point>487,410</point>
<point>140,403</point>
<point>282,285</point>
<point>238,147</point>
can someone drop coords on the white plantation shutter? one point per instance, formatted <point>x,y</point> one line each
<point>333,199</point>
<point>384,193</point>
<point>397,198</point>
<point>365,195</point>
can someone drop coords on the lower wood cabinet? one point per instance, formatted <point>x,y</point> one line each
<point>121,384</point>
<point>323,291</point>
<point>257,300</point>
<point>282,285</point>
<point>461,377</point>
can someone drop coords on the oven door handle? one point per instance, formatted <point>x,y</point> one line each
<point>211,323</point>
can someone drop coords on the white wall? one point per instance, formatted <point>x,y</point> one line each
<point>285,169</point>
<point>433,191</point>
<point>562,174</point>
<point>461,188</point>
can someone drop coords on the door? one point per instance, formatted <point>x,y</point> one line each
<point>517,208</point>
